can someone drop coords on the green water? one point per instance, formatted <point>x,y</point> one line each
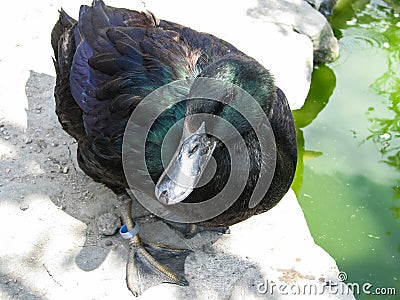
<point>348,177</point>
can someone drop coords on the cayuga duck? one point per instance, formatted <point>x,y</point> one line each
<point>108,62</point>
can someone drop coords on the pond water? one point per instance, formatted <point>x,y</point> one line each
<point>348,177</point>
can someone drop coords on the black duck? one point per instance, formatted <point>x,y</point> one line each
<point>111,59</point>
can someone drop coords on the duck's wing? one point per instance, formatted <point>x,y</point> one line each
<point>122,56</point>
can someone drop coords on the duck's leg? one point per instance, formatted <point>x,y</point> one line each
<point>190,230</point>
<point>149,264</point>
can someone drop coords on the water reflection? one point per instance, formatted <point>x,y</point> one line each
<point>346,194</point>
<point>323,83</point>
<point>385,130</point>
<point>376,24</point>
<point>344,13</point>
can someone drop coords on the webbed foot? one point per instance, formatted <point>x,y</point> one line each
<point>152,264</point>
<point>149,264</point>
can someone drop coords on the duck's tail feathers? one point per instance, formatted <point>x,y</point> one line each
<point>64,23</point>
<point>63,43</point>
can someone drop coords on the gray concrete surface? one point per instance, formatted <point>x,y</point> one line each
<point>50,244</point>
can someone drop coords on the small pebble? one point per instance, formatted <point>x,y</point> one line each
<point>8,170</point>
<point>65,170</point>
<point>42,144</point>
<point>108,243</point>
<point>28,141</point>
<point>7,137</point>
<point>54,144</point>
<point>108,224</point>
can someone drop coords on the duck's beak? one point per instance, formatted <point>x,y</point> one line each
<point>186,166</point>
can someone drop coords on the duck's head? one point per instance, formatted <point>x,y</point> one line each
<point>211,107</point>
